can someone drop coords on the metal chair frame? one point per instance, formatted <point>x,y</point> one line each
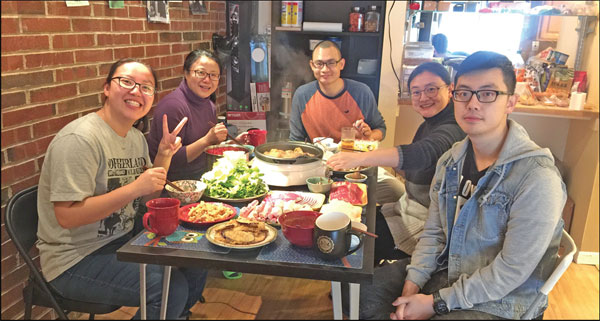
<point>21,220</point>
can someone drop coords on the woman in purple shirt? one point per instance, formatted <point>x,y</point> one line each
<point>195,99</point>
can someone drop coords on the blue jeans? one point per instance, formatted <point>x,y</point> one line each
<point>376,299</point>
<point>101,278</point>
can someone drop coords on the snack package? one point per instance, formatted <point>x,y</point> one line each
<point>560,82</point>
<point>525,93</point>
<point>579,82</point>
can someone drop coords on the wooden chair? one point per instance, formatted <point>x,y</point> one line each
<point>21,219</point>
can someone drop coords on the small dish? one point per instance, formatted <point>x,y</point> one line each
<point>319,184</point>
<point>351,177</point>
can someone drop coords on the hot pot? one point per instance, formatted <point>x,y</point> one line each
<point>289,171</point>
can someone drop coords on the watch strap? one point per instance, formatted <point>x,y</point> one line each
<point>439,305</point>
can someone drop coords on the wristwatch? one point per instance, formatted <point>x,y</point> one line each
<point>439,305</point>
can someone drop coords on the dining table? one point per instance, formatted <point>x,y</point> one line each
<point>252,260</point>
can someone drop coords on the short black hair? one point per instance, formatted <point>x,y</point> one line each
<point>196,54</point>
<point>432,67</point>
<point>484,60</point>
<point>328,44</point>
<point>440,42</point>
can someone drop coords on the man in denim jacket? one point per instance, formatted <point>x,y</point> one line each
<point>494,225</point>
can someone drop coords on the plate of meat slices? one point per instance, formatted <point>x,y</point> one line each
<point>353,193</point>
<point>241,234</point>
<point>279,202</point>
<point>204,214</point>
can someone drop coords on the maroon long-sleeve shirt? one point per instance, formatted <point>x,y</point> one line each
<point>183,102</point>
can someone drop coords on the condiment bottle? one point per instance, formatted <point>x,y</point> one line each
<point>372,20</point>
<point>356,20</point>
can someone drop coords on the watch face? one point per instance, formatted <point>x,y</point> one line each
<point>439,305</point>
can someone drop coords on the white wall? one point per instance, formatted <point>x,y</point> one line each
<point>551,132</point>
<point>567,40</point>
<point>388,85</point>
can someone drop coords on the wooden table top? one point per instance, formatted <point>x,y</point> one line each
<point>246,260</point>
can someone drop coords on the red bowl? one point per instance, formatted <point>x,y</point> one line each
<point>297,227</point>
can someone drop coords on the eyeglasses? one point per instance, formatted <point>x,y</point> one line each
<point>320,64</point>
<point>429,92</point>
<point>202,74</point>
<point>484,96</point>
<point>130,84</point>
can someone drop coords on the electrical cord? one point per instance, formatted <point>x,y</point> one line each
<point>390,39</point>
<point>234,308</point>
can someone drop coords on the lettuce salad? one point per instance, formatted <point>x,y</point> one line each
<point>232,178</point>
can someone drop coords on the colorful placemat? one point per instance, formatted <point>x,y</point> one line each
<point>183,238</point>
<point>281,250</point>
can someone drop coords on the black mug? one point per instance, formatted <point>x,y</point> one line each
<point>332,236</point>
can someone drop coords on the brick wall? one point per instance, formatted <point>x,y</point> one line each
<point>54,61</point>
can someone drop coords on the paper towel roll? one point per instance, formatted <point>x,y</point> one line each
<point>577,101</point>
<point>322,26</point>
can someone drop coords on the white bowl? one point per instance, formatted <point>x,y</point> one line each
<point>362,178</point>
<point>193,190</point>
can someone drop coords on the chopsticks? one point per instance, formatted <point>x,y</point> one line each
<point>364,232</point>
<point>168,181</point>
<point>230,137</point>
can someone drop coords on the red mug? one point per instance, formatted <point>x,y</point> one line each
<point>162,217</point>
<point>257,137</point>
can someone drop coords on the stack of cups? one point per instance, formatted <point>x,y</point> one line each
<point>577,101</point>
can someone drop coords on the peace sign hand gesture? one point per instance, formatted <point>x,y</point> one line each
<point>170,142</point>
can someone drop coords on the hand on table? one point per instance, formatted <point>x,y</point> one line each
<point>363,128</point>
<point>170,142</point>
<point>345,160</point>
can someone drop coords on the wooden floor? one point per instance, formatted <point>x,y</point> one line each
<point>575,296</point>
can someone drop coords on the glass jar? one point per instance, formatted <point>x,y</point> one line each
<point>357,19</point>
<point>372,20</point>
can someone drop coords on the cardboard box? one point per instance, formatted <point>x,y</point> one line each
<point>443,6</point>
<point>245,120</point>
<point>260,95</point>
<point>430,5</point>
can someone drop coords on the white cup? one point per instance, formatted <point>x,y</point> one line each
<point>577,101</point>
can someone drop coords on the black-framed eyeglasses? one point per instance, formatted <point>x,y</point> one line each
<point>129,84</point>
<point>484,96</point>
<point>330,63</point>
<point>202,74</point>
<point>430,92</point>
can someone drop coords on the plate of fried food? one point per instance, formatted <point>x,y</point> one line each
<point>206,213</point>
<point>241,234</point>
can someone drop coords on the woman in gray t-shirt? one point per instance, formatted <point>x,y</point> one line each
<point>91,184</point>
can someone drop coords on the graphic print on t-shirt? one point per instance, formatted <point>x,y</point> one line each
<point>121,171</point>
<point>468,180</point>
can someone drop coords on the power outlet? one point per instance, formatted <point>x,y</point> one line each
<point>590,258</point>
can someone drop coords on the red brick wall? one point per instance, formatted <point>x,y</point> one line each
<point>54,61</point>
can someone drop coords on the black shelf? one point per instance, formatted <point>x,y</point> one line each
<point>291,50</point>
<point>493,13</point>
<point>334,34</point>
<point>356,75</point>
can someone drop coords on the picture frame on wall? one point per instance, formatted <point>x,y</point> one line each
<point>197,7</point>
<point>157,11</point>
